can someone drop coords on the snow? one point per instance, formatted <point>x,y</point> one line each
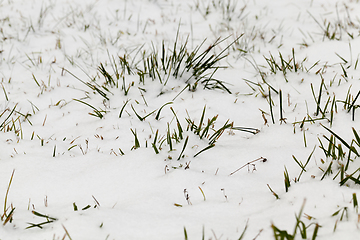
<point>62,158</point>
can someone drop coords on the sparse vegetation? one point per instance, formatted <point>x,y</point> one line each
<point>184,98</point>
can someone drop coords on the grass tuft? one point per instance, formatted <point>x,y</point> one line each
<point>299,226</point>
<point>40,225</point>
<point>137,143</point>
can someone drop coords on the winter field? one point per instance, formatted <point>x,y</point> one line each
<point>192,119</point>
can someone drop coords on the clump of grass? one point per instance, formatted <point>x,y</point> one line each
<point>340,158</point>
<point>40,225</point>
<point>337,29</point>
<point>193,67</point>
<point>4,126</point>
<point>299,226</point>
<point>285,66</point>
<point>203,233</point>
<point>203,129</point>
<point>11,119</point>
<point>349,103</point>
<point>322,113</point>
<point>228,9</point>
<point>343,212</point>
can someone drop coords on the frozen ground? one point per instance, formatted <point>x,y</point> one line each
<point>276,148</point>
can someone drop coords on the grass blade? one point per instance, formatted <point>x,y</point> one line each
<point>183,149</point>
<point>204,149</point>
<point>123,107</point>
<point>7,192</point>
<point>158,114</point>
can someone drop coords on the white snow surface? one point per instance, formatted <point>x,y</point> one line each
<point>63,157</point>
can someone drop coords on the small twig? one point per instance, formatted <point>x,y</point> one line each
<point>202,192</point>
<point>274,193</point>
<point>247,164</point>
<point>96,201</point>
<point>67,233</point>
<point>258,234</point>
<point>44,120</point>
<point>223,190</point>
<point>187,197</point>
<point>187,165</point>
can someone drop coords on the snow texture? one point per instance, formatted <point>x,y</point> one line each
<point>98,156</point>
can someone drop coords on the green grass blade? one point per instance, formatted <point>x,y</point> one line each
<point>158,114</point>
<point>98,113</point>
<point>7,193</point>
<point>197,131</point>
<point>204,149</point>
<point>185,234</point>
<point>183,149</point>
<point>123,107</point>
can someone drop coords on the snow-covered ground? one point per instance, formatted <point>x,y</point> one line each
<point>208,119</point>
